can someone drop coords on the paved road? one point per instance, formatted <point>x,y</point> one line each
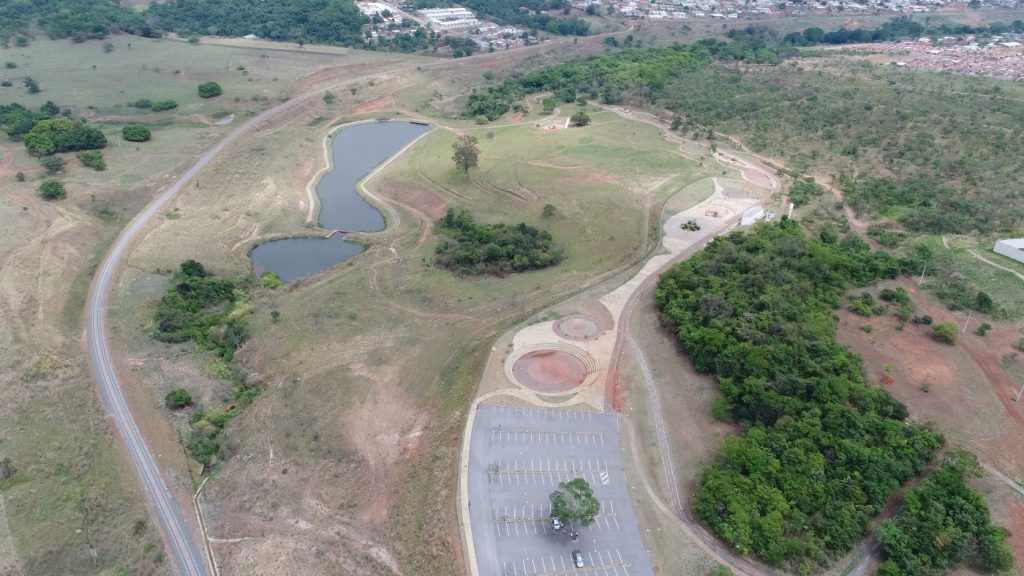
<point>517,458</point>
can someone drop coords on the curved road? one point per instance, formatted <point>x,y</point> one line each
<point>187,557</point>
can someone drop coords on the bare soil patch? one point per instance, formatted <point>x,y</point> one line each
<point>421,198</point>
<point>550,371</point>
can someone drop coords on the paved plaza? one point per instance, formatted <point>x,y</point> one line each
<point>517,458</point>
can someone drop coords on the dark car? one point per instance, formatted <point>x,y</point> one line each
<point>577,558</point>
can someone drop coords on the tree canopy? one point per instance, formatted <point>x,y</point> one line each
<point>574,501</point>
<point>821,450</point>
<point>944,523</point>
<point>62,135</point>
<point>469,248</point>
<point>466,154</point>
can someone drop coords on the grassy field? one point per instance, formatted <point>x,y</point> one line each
<point>377,359</point>
<point>74,507</point>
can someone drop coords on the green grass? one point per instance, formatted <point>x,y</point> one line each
<point>1005,288</point>
<point>158,70</point>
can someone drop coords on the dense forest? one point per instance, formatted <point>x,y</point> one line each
<point>316,21</point>
<point>897,29</point>
<point>821,450</point>
<point>470,248</point>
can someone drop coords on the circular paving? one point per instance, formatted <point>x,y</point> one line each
<point>579,328</point>
<point>549,371</point>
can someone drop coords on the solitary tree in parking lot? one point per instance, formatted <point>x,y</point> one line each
<point>574,502</point>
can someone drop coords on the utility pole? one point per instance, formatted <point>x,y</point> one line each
<point>966,322</point>
<point>1017,399</point>
<point>923,268</point>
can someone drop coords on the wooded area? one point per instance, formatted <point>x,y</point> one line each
<point>469,248</point>
<point>821,450</point>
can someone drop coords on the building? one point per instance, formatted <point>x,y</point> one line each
<point>1011,248</point>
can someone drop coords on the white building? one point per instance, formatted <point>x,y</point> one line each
<point>1011,248</point>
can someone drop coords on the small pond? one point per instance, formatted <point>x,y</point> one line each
<point>356,150</point>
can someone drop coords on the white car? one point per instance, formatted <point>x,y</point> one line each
<point>577,558</point>
<point>556,524</point>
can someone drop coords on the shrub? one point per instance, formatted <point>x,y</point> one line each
<point>136,133</point>
<point>983,329</point>
<point>270,280</point>
<point>580,118</point>
<point>93,159</point>
<point>11,65</point>
<point>52,164</point>
<point>945,332</point>
<point>178,398</point>
<point>142,103</point>
<point>20,176</point>
<point>210,89</point>
<point>52,190</point>
<point>162,105</point>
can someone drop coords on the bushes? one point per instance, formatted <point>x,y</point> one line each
<point>945,332</point>
<point>209,90</point>
<point>162,105</point>
<point>580,118</point>
<point>52,164</point>
<point>136,133</point>
<point>52,190</point>
<point>821,450</point>
<point>92,159</point>
<point>801,191</point>
<point>62,135</point>
<point>178,398</point>
<point>470,248</point>
<point>944,523</point>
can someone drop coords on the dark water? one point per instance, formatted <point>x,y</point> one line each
<point>296,258</point>
<point>357,150</point>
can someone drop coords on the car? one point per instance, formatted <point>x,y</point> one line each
<point>556,524</point>
<point>577,558</point>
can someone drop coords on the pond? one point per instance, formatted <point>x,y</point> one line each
<point>356,151</point>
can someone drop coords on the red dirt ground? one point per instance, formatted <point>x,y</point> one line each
<point>549,371</point>
<point>969,395</point>
<point>758,178</point>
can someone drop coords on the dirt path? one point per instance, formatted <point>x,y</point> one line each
<point>972,252</point>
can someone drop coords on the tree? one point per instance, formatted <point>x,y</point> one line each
<point>945,332</point>
<point>210,89</point>
<point>580,118</point>
<point>466,153</point>
<point>549,211</point>
<point>574,501</point>
<point>136,133</point>
<point>178,398</point>
<point>328,98</point>
<point>32,85</point>
<point>52,190</point>
<point>52,164</point>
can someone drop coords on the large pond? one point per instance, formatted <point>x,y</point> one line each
<point>356,150</point>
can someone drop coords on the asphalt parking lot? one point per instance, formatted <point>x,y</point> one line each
<point>517,458</point>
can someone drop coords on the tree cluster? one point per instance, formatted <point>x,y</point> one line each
<point>532,15</point>
<point>944,523</point>
<point>79,20</point>
<point>319,21</point>
<point>202,308</point>
<point>136,133</point>
<point>469,248</point>
<point>896,29</point>
<point>17,120</point>
<point>821,450</point>
<point>210,90</point>
<point>62,135</point>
